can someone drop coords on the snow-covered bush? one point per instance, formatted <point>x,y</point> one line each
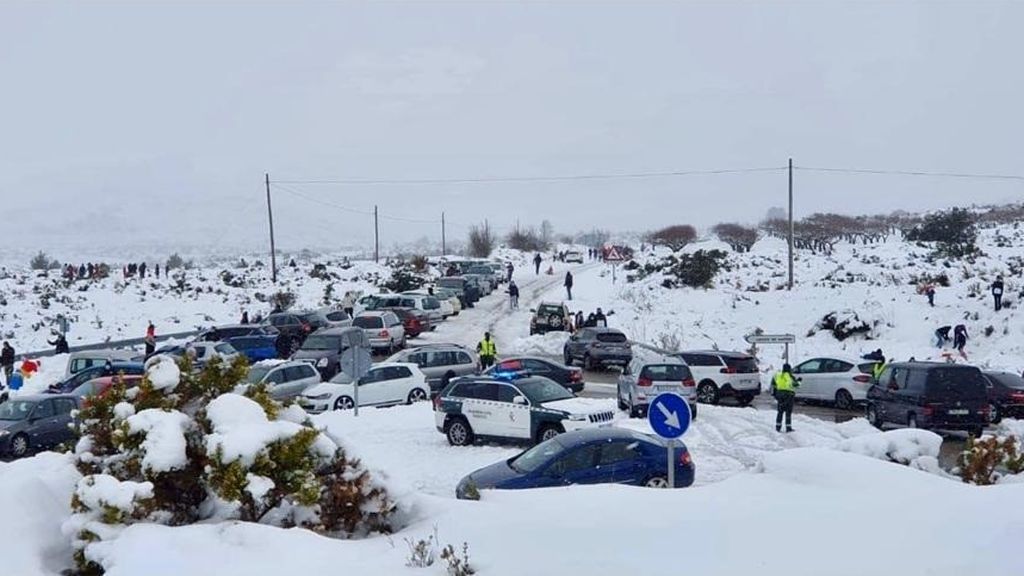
<point>990,459</point>
<point>183,448</point>
<point>844,324</point>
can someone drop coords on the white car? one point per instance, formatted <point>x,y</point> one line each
<point>384,330</point>
<point>842,381</point>
<point>574,256</point>
<point>203,352</point>
<point>425,302</point>
<point>385,384</point>
<point>284,379</point>
<point>720,374</point>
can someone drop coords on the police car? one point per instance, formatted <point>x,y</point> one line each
<point>513,407</point>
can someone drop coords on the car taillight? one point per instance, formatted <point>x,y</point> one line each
<point>985,411</point>
<point>384,334</point>
<point>929,409</point>
<point>644,382</point>
<point>728,370</point>
<point>306,327</point>
<point>862,378</point>
<point>576,375</point>
<point>1017,396</point>
<point>684,458</point>
<point>689,383</point>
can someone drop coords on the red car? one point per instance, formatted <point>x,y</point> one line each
<point>414,321</point>
<point>99,386</point>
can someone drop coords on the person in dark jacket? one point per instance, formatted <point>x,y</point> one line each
<point>81,271</point>
<point>156,270</point>
<point>150,340</point>
<point>600,320</point>
<point>579,319</point>
<point>7,361</point>
<point>568,284</point>
<point>509,268</point>
<point>142,270</point>
<point>245,316</point>
<point>960,339</point>
<point>997,293</point>
<point>942,336</point>
<point>536,263</point>
<point>60,345</point>
<point>513,295</point>
<point>929,291</point>
<point>284,345</point>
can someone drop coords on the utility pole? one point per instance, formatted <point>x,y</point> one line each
<point>270,217</point>
<point>444,251</point>
<point>790,286</point>
<point>376,236</point>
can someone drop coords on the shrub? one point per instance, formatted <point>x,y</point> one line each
<point>843,325</point>
<point>282,300</point>
<point>403,279</point>
<point>985,460</point>
<point>740,238</point>
<point>419,263</point>
<point>184,448</point>
<point>953,230</point>
<point>41,262</point>
<point>481,241</point>
<point>176,261</point>
<point>526,240</point>
<point>674,237</point>
<point>696,270</point>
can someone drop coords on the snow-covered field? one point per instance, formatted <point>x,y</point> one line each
<point>822,500</point>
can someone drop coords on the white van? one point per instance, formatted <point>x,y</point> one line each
<point>88,358</point>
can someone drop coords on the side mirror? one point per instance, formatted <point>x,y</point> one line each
<point>521,400</point>
<point>533,310</point>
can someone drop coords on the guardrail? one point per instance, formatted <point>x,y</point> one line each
<point>112,344</point>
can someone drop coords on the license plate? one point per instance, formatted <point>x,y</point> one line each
<point>665,388</point>
<point>959,412</point>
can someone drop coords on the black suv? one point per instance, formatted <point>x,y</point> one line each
<point>930,395</point>
<point>598,347</point>
<point>293,325</point>
<point>468,293</point>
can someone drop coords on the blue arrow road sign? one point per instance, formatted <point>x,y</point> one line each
<point>669,415</point>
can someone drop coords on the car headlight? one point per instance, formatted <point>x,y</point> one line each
<point>321,363</point>
<point>323,396</point>
<point>578,417</point>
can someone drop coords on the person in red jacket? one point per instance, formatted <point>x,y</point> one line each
<point>150,340</point>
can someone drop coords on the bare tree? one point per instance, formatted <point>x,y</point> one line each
<point>481,241</point>
<point>740,238</point>
<point>675,237</point>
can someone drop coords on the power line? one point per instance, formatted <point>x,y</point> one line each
<point>519,179</point>
<point>294,192</point>
<point>912,173</point>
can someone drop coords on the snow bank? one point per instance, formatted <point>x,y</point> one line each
<point>163,372</point>
<point>101,490</point>
<point>241,430</point>
<point>35,499</point>
<point>902,446</point>
<point>550,344</point>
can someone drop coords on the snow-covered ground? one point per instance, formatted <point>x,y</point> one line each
<point>817,501</point>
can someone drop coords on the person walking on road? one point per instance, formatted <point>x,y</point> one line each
<point>487,350</point>
<point>513,295</point>
<point>7,361</point>
<point>568,284</point>
<point>997,293</point>
<point>785,396</point>
<point>509,268</point>
<point>536,263</point>
<point>150,340</point>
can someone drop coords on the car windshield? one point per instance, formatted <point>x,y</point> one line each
<point>16,409</point>
<point>371,322</point>
<point>225,349</point>
<point>742,364</point>
<point>341,378</point>
<point>322,342</point>
<point>540,390</point>
<point>256,373</point>
<point>537,456</point>
<point>548,310</point>
<point>612,337</point>
<point>450,283</point>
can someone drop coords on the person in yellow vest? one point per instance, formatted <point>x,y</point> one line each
<point>487,351</point>
<point>785,395</point>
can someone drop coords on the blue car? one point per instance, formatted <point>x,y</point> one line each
<point>590,456</point>
<point>256,347</point>
<point>81,377</point>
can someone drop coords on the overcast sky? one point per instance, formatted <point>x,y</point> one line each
<point>154,123</point>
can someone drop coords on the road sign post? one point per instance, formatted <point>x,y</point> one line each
<point>786,339</point>
<point>669,416</point>
<point>613,256</point>
<point>356,361</point>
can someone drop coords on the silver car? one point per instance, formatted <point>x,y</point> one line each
<point>284,380</point>
<point>384,329</point>
<point>641,382</point>
<point>440,363</point>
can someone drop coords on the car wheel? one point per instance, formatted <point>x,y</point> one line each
<point>874,418</point>
<point>19,446</point>
<point>976,432</point>
<point>656,482</point>
<point>707,392</point>
<point>417,395</point>
<point>548,432</point>
<point>618,397</point>
<point>637,411</point>
<point>567,358</point>
<point>844,400</point>
<point>994,415</point>
<point>911,420</point>
<point>344,403</point>
<point>693,412</point>
<point>459,433</point>
<point>588,363</point>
